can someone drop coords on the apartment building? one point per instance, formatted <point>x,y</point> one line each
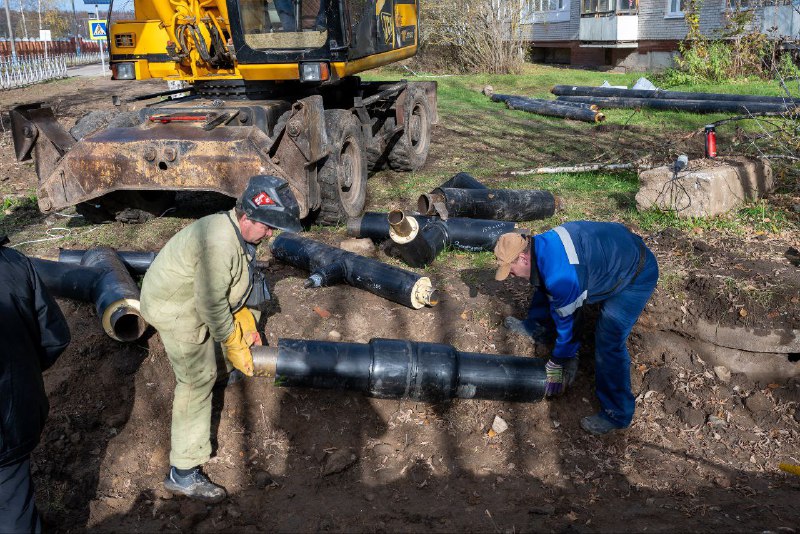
<point>637,34</point>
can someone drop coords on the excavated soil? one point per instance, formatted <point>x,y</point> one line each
<point>701,455</point>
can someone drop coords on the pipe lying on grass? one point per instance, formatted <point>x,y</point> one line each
<point>330,265</point>
<point>575,90</point>
<point>472,235</point>
<point>551,108</point>
<point>419,240</point>
<point>494,204</point>
<point>692,106</point>
<point>400,369</point>
<point>101,278</point>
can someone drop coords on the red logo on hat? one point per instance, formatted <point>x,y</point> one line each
<point>263,199</point>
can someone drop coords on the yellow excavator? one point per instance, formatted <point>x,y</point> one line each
<point>263,87</point>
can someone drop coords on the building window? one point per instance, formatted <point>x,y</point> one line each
<point>627,7</point>
<point>597,6</point>
<point>541,6</point>
<point>675,8</point>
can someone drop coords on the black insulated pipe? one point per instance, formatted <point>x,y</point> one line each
<point>463,180</point>
<point>692,106</point>
<point>330,265</point>
<point>552,108</point>
<point>472,235</point>
<point>418,240</point>
<point>495,204</point>
<point>137,262</point>
<point>576,90</point>
<point>505,98</point>
<point>401,369</point>
<point>100,278</point>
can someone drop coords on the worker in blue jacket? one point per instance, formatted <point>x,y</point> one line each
<point>571,265</point>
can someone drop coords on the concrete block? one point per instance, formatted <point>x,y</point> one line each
<point>705,187</point>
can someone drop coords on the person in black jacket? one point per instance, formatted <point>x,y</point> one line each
<point>34,334</point>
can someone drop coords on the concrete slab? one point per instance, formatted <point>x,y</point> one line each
<point>705,187</point>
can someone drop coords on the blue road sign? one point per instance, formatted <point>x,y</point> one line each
<point>97,29</point>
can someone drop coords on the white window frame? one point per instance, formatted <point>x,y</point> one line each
<point>547,11</point>
<point>679,14</point>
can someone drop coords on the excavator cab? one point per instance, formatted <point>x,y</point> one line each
<point>270,87</point>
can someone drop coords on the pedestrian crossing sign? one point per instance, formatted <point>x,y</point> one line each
<point>97,29</point>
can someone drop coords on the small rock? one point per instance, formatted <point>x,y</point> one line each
<point>339,461</point>
<point>758,402</point>
<point>691,417</point>
<point>369,497</point>
<point>262,479</point>
<point>487,90</point>
<point>362,247</point>
<point>383,449</point>
<point>713,420</point>
<point>499,424</point>
<point>75,437</point>
<point>547,509</point>
<point>333,335</point>
<point>723,373</point>
<point>722,482</point>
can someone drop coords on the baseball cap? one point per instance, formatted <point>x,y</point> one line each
<point>509,246</point>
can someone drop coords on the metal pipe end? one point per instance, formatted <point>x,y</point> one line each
<point>354,226</point>
<point>265,361</point>
<point>424,294</point>
<point>315,280</point>
<point>425,204</point>
<point>402,229</point>
<point>599,117</point>
<point>558,203</point>
<point>122,321</point>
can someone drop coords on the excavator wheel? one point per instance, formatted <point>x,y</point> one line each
<point>411,149</point>
<point>343,175</point>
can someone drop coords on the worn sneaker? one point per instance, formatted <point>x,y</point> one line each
<point>195,485</point>
<point>597,424</point>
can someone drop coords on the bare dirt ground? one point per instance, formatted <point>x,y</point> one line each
<point>701,455</point>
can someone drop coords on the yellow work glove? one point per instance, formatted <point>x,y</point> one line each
<point>237,350</point>
<point>245,318</point>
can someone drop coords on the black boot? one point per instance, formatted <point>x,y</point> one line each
<point>195,485</point>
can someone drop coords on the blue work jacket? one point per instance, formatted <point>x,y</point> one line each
<point>581,262</point>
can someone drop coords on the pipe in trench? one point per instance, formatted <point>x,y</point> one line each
<point>137,262</point>
<point>473,235</point>
<point>495,204</point>
<point>401,369</point>
<point>419,240</point>
<point>572,90</point>
<point>330,265</point>
<point>692,106</point>
<point>100,278</point>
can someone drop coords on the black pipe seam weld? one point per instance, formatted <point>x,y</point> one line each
<point>401,369</point>
<point>101,278</point>
<point>495,204</point>
<point>472,235</point>
<point>330,265</point>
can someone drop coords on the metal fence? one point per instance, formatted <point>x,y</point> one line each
<point>22,71</point>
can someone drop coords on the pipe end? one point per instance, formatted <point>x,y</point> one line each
<point>424,294</point>
<point>354,226</point>
<point>122,320</point>
<point>402,229</point>
<point>265,361</point>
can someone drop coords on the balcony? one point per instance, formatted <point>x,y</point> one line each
<point>781,21</point>
<point>609,30</point>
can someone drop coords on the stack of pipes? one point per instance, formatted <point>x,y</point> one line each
<point>613,97</point>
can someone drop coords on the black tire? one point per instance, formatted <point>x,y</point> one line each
<point>343,176</point>
<point>127,206</point>
<point>410,151</point>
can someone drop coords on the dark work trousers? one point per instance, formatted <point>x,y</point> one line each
<point>17,509</point>
<point>612,371</point>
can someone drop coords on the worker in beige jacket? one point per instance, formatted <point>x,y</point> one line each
<point>195,294</point>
